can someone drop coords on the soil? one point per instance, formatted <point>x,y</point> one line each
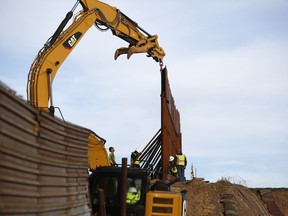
<point>226,199</point>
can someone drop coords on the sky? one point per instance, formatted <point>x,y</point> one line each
<point>227,64</point>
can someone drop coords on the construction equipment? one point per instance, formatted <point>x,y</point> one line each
<point>63,41</point>
<point>155,199</point>
<point>60,45</point>
<point>39,93</point>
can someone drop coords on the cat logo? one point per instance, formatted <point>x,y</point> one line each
<point>69,43</point>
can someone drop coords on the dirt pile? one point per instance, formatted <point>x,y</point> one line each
<point>281,198</point>
<point>227,199</point>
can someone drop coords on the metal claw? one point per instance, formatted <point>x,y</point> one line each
<point>134,49</point>
<point>129,51</point>
<point>156,53</point>
<point>120,51</point>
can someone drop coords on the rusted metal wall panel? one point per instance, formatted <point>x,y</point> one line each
<point>170,123</point>
<point>268,199</point>
<point>43,162</point>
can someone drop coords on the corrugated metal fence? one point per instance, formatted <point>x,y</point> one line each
<point>43,162</point>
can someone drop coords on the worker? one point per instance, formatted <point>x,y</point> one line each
<point>135,159</point>
<point>181,163</point>
<point>112,158</point>
<point>133,196</point>
<point>172,169</point>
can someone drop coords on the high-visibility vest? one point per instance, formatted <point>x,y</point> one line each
<point>136,162</point>
<point>132,198</point>
<point>180,160</point>
<point>174,169</point>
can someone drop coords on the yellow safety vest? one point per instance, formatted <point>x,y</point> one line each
<point>180,160</point>
<point>174,169</point>
<point>132,198</point>
<point>136,162</point>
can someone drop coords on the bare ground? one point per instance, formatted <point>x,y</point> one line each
<point>226,199</point>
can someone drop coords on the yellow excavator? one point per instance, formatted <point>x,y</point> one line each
<point>62,42</point>
<point>158,200</point>
<point>60,45</point>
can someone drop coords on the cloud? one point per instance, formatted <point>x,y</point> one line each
<point>227,65</point>
<point>233,106</point>
<point>251,82</point>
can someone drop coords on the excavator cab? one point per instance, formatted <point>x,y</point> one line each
<point>155,199</point>
<point>110,181</point>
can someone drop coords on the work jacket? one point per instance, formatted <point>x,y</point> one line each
<point>132,198</point>
<point>180,160</point>
<point>174,170</point>
<point>136,162</point>
<point>112,159</point>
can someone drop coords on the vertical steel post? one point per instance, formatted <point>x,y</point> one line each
<point>163,123</point>
<point>123,186</point>
<point>101,197</point>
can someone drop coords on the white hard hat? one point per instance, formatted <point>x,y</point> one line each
<point>132,190</point>
<point>171,158</point>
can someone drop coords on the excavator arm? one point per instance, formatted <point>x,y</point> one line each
<point>60,45</point>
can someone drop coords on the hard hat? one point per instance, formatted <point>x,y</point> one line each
<point>171,158</point>
<point>132,190</point>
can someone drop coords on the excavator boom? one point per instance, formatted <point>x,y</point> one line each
<point>60,45</point>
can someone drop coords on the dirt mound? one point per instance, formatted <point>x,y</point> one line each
<point>281,198</point>
<point>226,199</point>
